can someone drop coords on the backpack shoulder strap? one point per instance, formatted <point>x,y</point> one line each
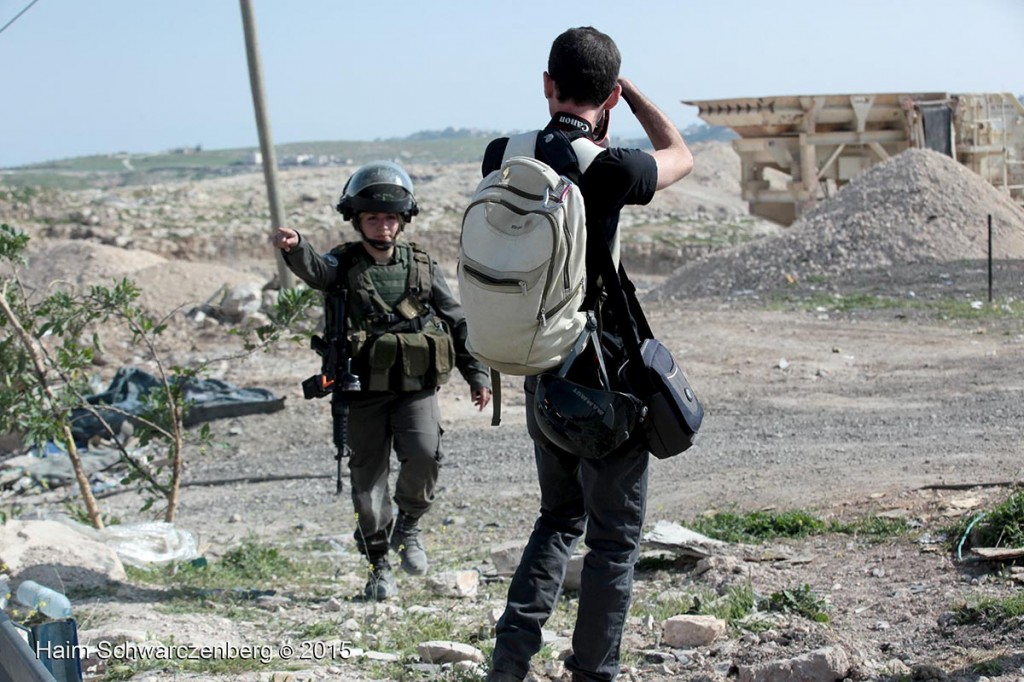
<point>569,157</point>
<point>523,144</point>
<point>586,151</point>
<point>495,397</point>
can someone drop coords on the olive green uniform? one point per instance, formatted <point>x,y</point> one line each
<point>406,330</point>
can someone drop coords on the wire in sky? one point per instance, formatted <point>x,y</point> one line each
<point>16,16</point>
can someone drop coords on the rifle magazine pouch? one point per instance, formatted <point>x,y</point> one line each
<point>357,342</point>
<point>383,354</point>
<point>674,413</point>
<point>415,351</point>
<point>443,352</point>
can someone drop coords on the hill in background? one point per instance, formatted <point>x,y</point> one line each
<point>447,146</point>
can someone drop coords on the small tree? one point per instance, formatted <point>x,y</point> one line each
<point>47,347</point>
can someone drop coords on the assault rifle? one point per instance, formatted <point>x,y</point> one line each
<point>335,376</point>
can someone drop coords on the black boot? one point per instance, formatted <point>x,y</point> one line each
<point>381,582</point>
<point>406,541</point>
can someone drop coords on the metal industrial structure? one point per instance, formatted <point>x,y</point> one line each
<point>822,141</point>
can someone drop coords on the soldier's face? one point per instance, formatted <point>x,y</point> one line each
<point>381,226</point>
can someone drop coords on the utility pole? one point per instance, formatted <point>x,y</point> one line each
<point>263,126</point>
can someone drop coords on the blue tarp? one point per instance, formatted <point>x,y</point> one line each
<point>208,399</point>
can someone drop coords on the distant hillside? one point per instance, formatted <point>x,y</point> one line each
<point>453,134</point>
<point>698,132</point>
<point>122,169</point>
<point>450,145</point>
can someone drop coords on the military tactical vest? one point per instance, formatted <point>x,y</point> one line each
<point>396,339</point>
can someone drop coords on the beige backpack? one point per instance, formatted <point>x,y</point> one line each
<point>522,255</point>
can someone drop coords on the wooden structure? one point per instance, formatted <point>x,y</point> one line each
<point>822,141</point>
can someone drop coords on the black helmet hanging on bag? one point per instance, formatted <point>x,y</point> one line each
<point>378,187</point>
<point>584,421</point>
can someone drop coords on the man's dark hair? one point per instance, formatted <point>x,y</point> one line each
<point>584,63</point>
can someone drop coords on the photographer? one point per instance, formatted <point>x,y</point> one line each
<point>600,500</point>
<point>401,332</point>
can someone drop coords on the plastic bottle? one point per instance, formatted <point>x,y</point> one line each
<point>50,602</point>
<point>4,589</point>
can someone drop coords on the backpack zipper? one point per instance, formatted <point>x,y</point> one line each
<point>542,316</point>
<point>516,283</point>
<point>520,193</point>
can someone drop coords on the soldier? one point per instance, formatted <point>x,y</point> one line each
<point>404,331</point>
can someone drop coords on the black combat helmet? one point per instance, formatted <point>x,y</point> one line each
<point>378,187</point>
<point>584,421</point>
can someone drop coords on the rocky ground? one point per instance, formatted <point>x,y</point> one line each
<point>910,410</point>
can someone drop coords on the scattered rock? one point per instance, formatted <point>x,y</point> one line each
<point>448,652</point>
<point>461,584</point>
<point>685,632</point>
<point>824,665</point>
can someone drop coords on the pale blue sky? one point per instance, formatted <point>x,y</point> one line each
<point>98,76</point>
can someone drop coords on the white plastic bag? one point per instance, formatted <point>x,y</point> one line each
<point>151,543</point>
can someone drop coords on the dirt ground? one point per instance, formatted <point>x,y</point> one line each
<point>846,413</point>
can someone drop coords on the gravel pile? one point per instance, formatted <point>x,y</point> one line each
<point>919,206</point>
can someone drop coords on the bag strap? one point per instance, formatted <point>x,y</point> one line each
<point>589,334</point>
<point>523,144</point>
<point>586,151</point>
<point>495,397</point>
<point>633,324</point>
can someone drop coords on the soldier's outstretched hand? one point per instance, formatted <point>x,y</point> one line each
<point>285,238</point>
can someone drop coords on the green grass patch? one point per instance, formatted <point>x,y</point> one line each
<point>873,527</point>
<point>991,667</point>
<point>238,572</point>
<point>402,636</point>
<point>991,611</point>
<point>800,600</point>
<point>18,195</point>
<point>660,610</point>
<point>760,526</point>
<point>1001,526</point>
<point>738,605</point>
<point>738,602</point>
<point>323,629</point>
